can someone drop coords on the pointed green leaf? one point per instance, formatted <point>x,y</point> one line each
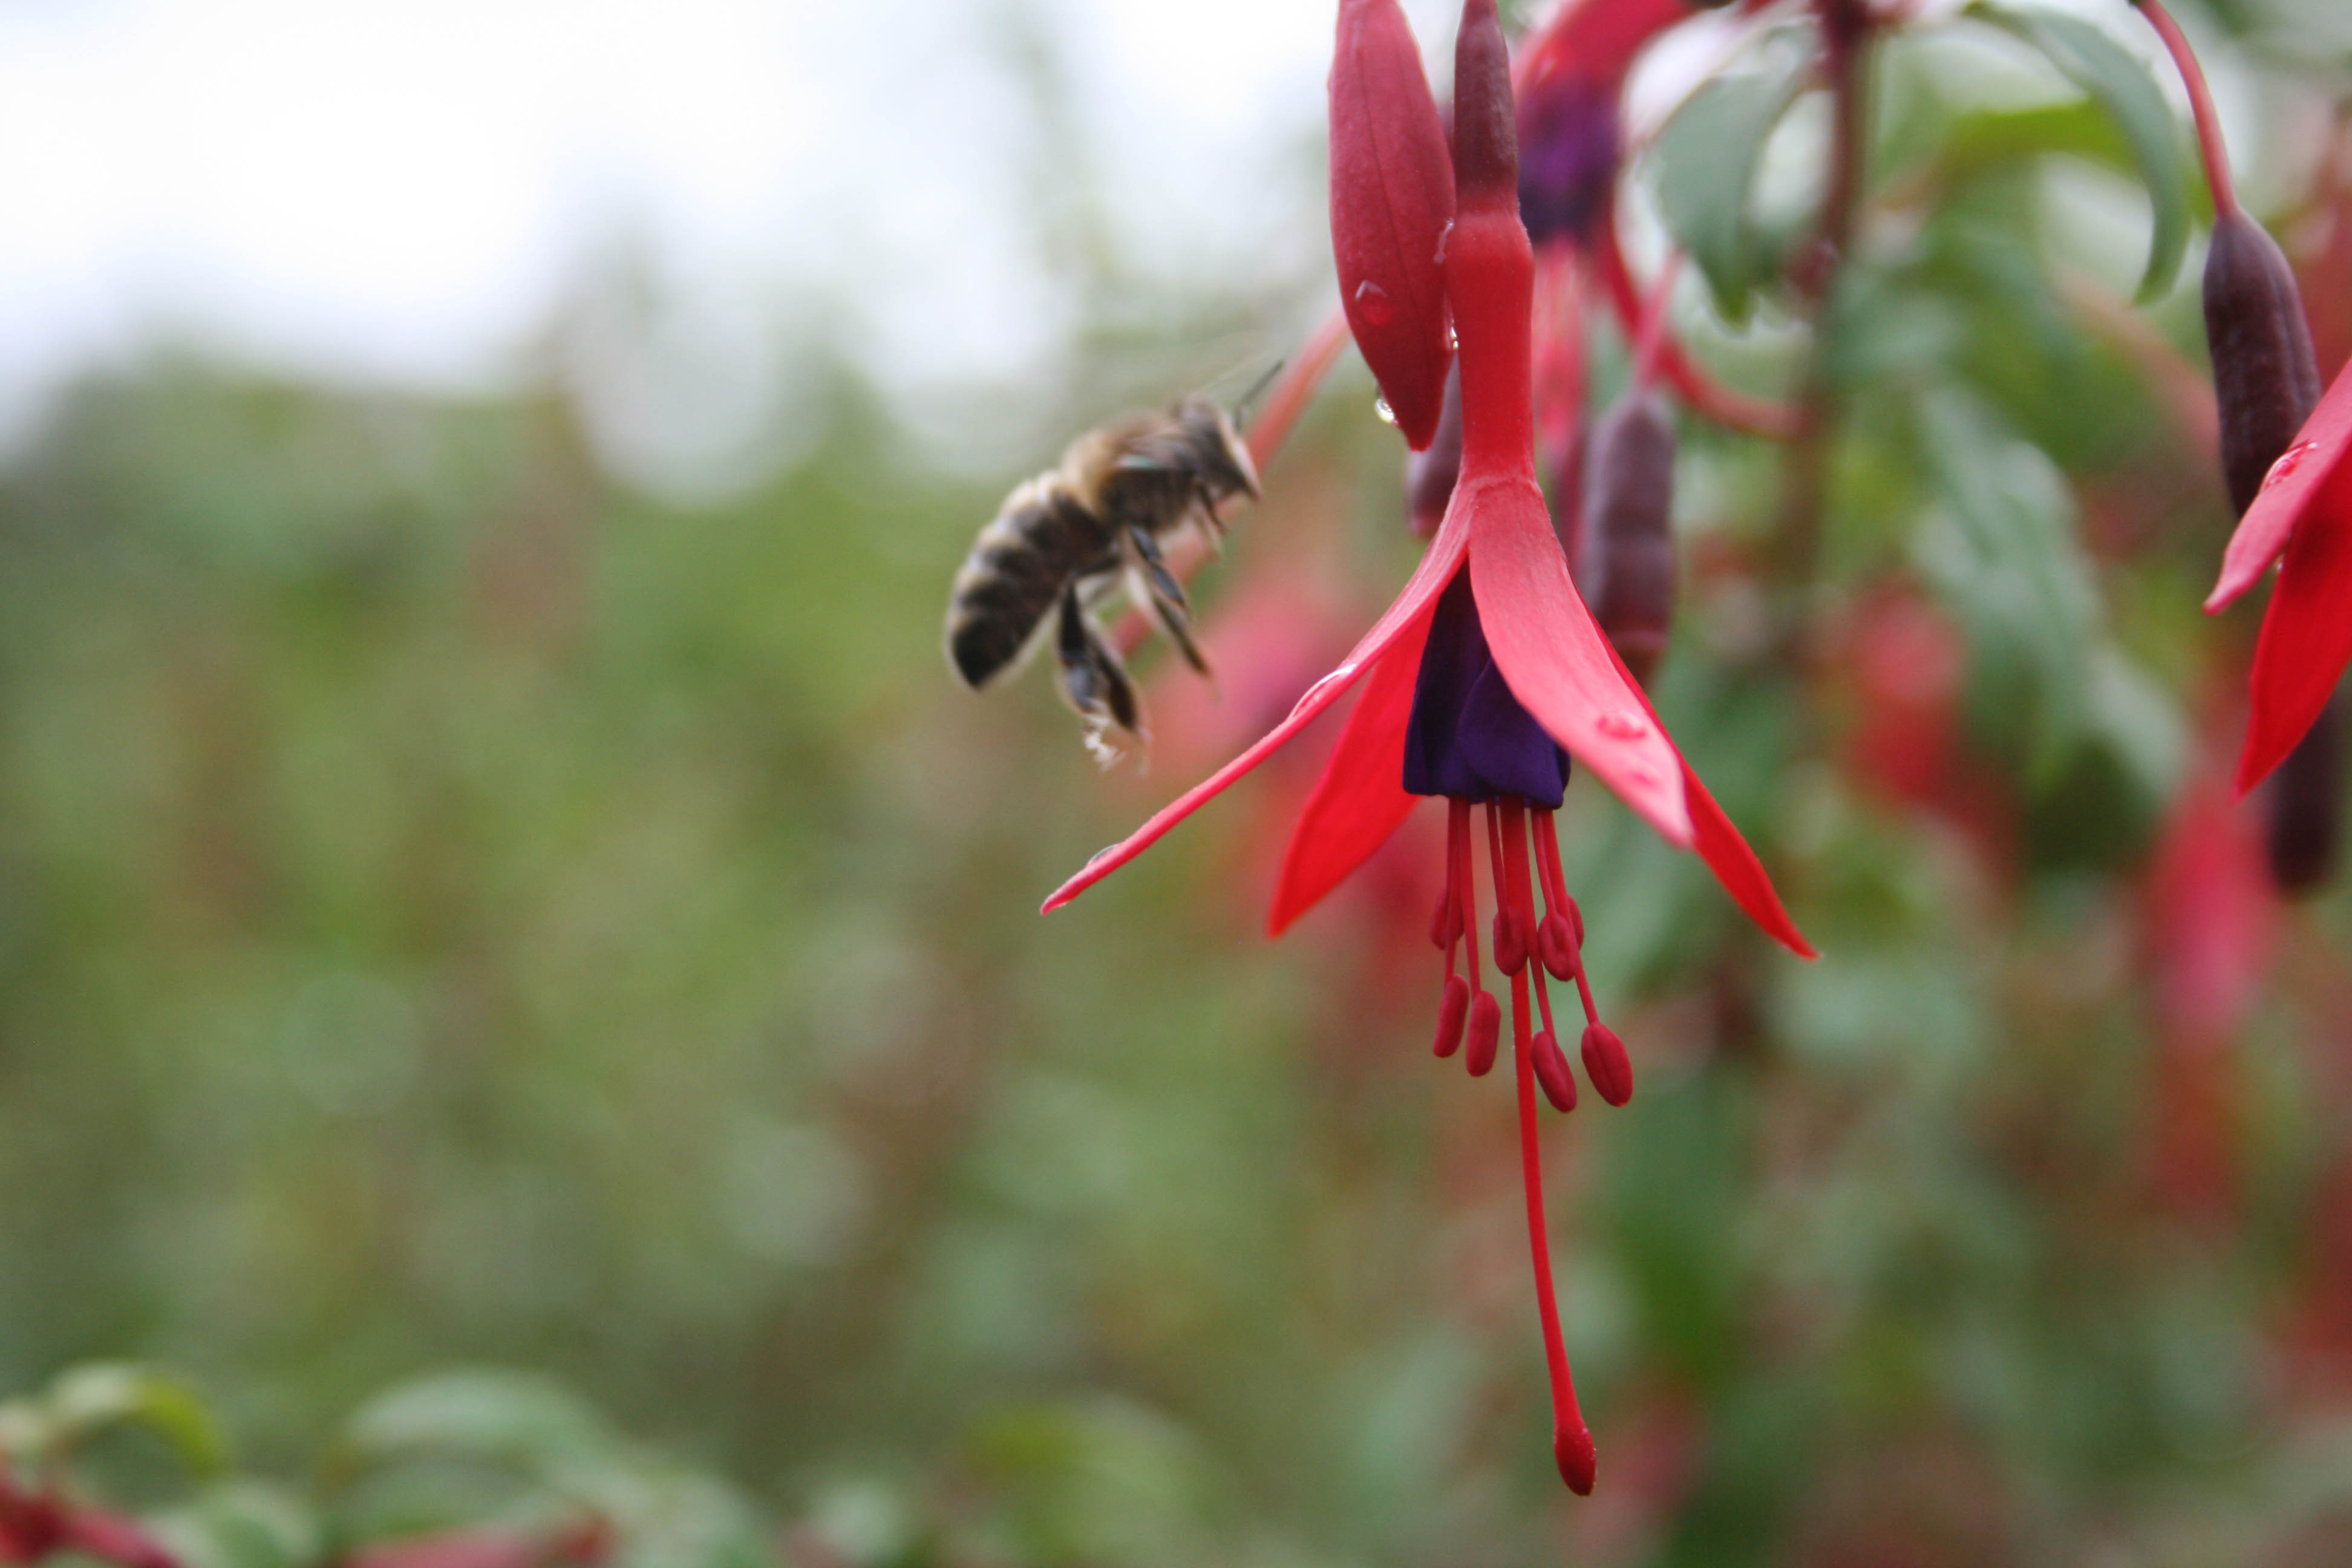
<point>1707,157</point>
<point>2108,72</point>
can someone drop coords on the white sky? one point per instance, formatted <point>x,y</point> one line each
<point>407,189</point>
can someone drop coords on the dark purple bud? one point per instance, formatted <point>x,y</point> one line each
<point>2265,377</point>
<point>1568,150</point>
<point>1467,737</point>
<point>2305,806</point>
<point>1428,475</point>
<point>1627,573</point>
<point>1391,199</point>
<point>1486,128</point>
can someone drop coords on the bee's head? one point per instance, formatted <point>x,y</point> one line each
<point>1217,446</point>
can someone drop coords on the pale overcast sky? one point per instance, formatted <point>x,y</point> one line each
<point>403,188</point>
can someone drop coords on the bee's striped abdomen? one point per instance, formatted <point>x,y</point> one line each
<point>1014,575</point>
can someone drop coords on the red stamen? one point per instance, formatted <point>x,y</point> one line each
<point>1559,939</point>
<point>1551,1062</point>
<point>1452,1012</point>
<point>1606,1063</point>
<point>1510,931</point>
<point>1483,1034</point>
<point>1571,1440</point>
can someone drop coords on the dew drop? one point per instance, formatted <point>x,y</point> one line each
<point>1380,407</point>
<point>1373,302</point>
<point>2288,461</point>
<point>1623,726</point>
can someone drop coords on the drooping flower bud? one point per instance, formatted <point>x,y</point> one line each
<point>1627,570</point>
<point>1485,124</point>
<point>2265,377</point>
<point>2307,805</point>
<point>1391,199</point>
<point>1428,475</point>
<point>1569,152</point>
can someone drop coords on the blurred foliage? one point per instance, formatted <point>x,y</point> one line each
<point>458,909</point>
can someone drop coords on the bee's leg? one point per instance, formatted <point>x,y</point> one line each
<point>1153,584</point>
<point>1092,678</point>
<point>1164,586</point>
<point>1212,524</point>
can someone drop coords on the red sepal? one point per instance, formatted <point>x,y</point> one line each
<point>1391,199</point>
<point>1361,799</point>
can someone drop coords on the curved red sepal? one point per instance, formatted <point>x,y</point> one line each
<point>1554,659</point>
<point>1361,799</point>
<point>2306,637</point>
<point>2293,484</point>
<point>1437,567</point>
<point>1717,841</point>
<point>1734,866</point>
<point>1391,197</point>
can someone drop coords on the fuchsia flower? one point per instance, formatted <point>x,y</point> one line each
<point>2301,519</point>
<point>1486,676</point>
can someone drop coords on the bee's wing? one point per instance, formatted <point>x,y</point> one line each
<point>1013,578</point>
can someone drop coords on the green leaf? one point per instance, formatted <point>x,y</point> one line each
<point>2001,550</point>
<point>2108,72</point>
<point>1707,157</point>
<point>86,1400</point>
<point>506,1419</point>
<point>244,1524</point>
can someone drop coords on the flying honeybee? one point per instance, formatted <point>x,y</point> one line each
<point>1064,540</point>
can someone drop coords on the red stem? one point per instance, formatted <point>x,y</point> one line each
<point>2210,146</point>
<point>1652,338</point>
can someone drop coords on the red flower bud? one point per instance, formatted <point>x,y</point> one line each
<point>1391,199</point>
<point>2265,378</point>
<point>1485,121</point>
<point>1628,570</point>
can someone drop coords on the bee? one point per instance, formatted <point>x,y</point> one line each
<point>1066,540</point>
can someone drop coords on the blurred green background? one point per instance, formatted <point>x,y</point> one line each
<point>460,907</point>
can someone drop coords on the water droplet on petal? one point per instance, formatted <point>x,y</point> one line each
<point>1373,302</point>
<point>1380,407</point>
<point>2288,461</point>
<point>1623,726</point>
<point>1342,673</point>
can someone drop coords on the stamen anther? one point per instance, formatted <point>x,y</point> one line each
<point>1551,1071</point>
<point>1607,1065</point>
<point>1485,1033</point>
<point>1452,1012</point>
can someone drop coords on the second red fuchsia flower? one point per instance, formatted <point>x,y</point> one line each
<point>1487,674</point>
